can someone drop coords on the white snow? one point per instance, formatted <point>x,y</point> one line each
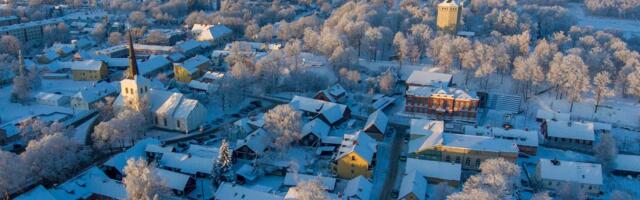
<point>578,172</point>
<point>435,169</point>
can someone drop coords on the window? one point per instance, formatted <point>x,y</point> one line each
<point>448,159</point>
<point>165,121</point>
<point>353,157</point>
<point>126,90</point>
<point>478,162</point>
<point>467,162</point>
<point>178,123</point>
<point>457,159</point>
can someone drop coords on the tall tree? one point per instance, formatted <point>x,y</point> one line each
<point>284,124</point>
<point>68,157</point>
<point>142,181</point>
<point>601,87</point>
<point>606,151</point>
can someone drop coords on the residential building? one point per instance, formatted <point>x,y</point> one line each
<point>191,69</point>
<point>313,132</point>
<point>627,165</point>
<point>154,66</point>
<point>551,174</point>
<point>526,140</point>
<point>216,34</point>
<point>335,94</point>
<point>429,143</point>
<point>89,70</point>
<point>52,99</point>
<point>253,146</point>
<point>232,191</point>
<point>448,17</point>
<point>9,20</point>
<point>413,187</point>
<point>569,135</point>
<point>29,31</point>
<point>179,184</point>
<point>356,156</point>
<point>436,171</point>
<point>376,125</point>
<point>87,98</point>
<point>114,167</point>
<point>331,113</point>
<point>91,184</point>
<point>192,48</point>
<point>358,188</point>
<point>195,166</point>
<point>442,103</point>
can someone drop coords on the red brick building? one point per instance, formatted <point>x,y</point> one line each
<point>449,103</point>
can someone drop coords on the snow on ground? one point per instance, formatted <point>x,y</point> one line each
<point>602,23</point>
<point>82,131</point>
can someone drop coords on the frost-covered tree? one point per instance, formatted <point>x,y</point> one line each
<point>142,182</point>
<point>138,18</point>
<point>12,172</point>
<point>311,190</point>
<point>157,38</point>
<point>405,48</point>
<point>68,157</point>
<point>497,179</point>
<point>528,72</point>
<point>99,32</point>
<point>601,87</point>
<point>387,82</point>
<point>221,170</point>
<point>21,89</point>
<point>9,44</point>
<point>284,124</point>
<point>125,128</point>
<point>115,38</point>
<point>372,39</point>
<point>606,151</point>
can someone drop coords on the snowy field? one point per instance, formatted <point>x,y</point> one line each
<point>603,23</point>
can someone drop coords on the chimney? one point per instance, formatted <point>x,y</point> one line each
<point>555,162</point>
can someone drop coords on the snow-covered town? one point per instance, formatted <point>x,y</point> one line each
<point>319,99</point>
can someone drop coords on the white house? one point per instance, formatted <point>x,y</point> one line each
<point>87,98</point>
<point>553,173</point>
<point>436,171</point>
<point>52,99</point>
<point>527,140</point>
<point>431,79</point>
<point>231,191</point>
<point>413,187</point>
<point>216,34</point>
<point>569,134</point>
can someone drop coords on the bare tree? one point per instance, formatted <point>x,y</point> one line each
<point>99,32</point>
<point>497,179</point>
<point>138,18</point>
<point>142,181</point>
<point>56,166</point>
<point>9,44</point>
<point>115,38</point>
<point>311,190</point>
<point>284,123</point>
<point>570,191</point>
<point>12,172</point>
<point>387,82</point>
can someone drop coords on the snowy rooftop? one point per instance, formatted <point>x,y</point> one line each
<point>154,63</point>
<point>572,130</point>
<point>316,126</point>
<point>331,111</point>
<point>39,193</point>
<point>627,163</point>
<point>435,169</point>
<point>199,85</point>
<point>587,173</point>
<point>203,151</point>
<point>425,134</point>
<point>212,75</point>
<point>119,161</point>
<point>479,143</point>
<point>215,31</point>
<point>87,65</point>
<point>258,141</point>
<point>157,148</point>
<point>96,92</point>
<point>230,191</point>
<point>358,187</point>
<point>174,180</point>
<point>521,137</point>
<point>552,115</point>
<point>92,181</point>
<point>413,182</point>
<point>292,179</point>
<point>424,78</point>
<point>377,119</point>
<point>189,164</point>
<point>48,96</point>
<point>192,64</point>
<point>191,44</point>
<point>360,143</point>
<point>432,91</point>
<point>31,24</point>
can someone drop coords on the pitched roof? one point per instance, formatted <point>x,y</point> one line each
<point>521,137</point>
<point>119,161</point>
<point>424,78</point>
<point>95,92</point>
<point>214,32</point>
<point>316,127</point>
<point>230,191</point>
<point>425,134</point>
<point>257,141</point>
<point>188,164</point>
<point>627,163</point>
<point>573,130</point>
<point>153,63</point>
<point>92,181</point>
<point>173,180</point>
<point>413,182</point>
<point>358,187</point>
<point>39,193</point>
<point>292,179</point>
<point>360,143</point>
<point>435,169</point>
<point>377,119</point>
<point>578,172</point>
<point>331,111</point>
<point>192,64</point>
<point>87,65</point>
<point>157,148</point>
<point>479,143</point>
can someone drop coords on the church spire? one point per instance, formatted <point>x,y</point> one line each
<point>133,64</point>
<point>21,66</point>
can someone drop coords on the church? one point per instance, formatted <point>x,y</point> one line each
<point>170,110</point>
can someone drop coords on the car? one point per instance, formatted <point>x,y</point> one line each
<point>403,158</point>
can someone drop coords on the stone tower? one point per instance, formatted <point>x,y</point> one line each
<point>449,16</point>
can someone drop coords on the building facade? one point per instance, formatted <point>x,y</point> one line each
<point>449,12</point>
<point>445,104</point>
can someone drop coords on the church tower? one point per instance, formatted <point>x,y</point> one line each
<point>448,19</point>
<point>134,87</point>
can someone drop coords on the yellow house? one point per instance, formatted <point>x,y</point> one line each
<point>89,70</point>
<point>191,69</point>
<point>356,156</point>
